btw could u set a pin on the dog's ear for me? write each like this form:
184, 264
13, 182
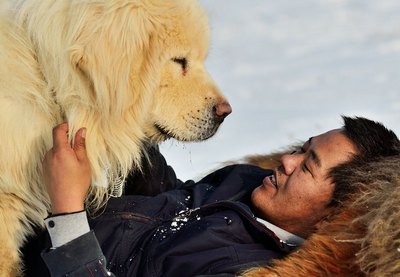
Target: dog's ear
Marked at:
111, 56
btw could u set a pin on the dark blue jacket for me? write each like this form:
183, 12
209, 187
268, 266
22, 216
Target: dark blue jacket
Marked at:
203, 228
197, 229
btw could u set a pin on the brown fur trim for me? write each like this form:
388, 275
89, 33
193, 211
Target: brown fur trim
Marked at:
268, 161
380, 247
330, 252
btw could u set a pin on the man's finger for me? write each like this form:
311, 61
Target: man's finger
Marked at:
60, 135
80, 144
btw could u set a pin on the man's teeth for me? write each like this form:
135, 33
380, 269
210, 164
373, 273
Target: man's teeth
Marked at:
273, 181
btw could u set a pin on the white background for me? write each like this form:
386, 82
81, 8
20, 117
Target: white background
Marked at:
290, 69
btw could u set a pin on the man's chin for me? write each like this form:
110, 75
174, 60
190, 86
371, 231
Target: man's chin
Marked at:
259, 197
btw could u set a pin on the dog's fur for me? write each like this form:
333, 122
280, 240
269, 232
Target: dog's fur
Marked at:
132, 72
362, 238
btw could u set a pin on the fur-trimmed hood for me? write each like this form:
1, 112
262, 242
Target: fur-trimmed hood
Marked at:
362, 238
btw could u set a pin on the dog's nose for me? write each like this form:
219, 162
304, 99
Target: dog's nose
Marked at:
222, 109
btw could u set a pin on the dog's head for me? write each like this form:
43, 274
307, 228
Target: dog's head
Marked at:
129, 71
138, 61
186, 105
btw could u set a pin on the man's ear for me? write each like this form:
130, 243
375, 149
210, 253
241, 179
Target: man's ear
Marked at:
321, 224
329, 214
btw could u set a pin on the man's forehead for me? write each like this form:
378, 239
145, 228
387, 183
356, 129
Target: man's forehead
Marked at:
332, 132
331, 147
331, 136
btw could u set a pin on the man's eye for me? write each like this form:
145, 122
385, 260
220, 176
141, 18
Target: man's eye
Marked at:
305, 169
182, 61
298, 151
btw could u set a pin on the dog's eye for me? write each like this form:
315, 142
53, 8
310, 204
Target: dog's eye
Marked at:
182, 61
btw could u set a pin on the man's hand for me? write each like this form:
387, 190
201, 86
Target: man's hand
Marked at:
66, 171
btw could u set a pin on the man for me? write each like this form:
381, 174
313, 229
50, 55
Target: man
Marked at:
205, 228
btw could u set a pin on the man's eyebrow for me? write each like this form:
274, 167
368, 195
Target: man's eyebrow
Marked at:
314, 156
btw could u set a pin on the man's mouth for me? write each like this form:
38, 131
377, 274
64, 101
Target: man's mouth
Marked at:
273, 180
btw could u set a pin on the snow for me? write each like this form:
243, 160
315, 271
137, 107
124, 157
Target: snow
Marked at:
290, 69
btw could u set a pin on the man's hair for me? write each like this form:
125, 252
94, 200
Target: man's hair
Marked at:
373, 141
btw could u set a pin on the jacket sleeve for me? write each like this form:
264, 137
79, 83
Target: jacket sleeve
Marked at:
79, 257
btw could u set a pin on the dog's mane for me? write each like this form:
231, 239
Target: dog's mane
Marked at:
93, 84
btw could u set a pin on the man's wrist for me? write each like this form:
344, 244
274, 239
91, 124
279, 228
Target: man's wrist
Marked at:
63, 210
52, 215
64, 207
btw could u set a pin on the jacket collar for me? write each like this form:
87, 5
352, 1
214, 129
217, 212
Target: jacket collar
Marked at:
285, 236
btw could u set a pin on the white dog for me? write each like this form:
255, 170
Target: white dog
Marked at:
130, 71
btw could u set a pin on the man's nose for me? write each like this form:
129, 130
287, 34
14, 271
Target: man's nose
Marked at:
290, 162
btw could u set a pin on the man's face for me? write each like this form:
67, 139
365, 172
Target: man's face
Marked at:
297, 200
